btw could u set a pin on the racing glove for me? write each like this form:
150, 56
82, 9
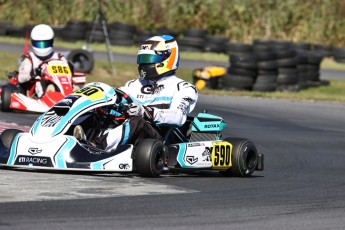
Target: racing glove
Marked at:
36, 73
135, 109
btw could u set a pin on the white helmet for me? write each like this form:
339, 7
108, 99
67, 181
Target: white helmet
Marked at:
42, 39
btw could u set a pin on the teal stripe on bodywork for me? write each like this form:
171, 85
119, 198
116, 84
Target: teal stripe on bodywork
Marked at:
99, 164
34, 129
13, 149
180, 155
126, 135
66, 147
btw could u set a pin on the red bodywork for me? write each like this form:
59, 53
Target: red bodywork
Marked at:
65, 84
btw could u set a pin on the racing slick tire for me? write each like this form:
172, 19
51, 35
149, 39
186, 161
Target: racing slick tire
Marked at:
8, 135
244, 158
149, 158
6, 98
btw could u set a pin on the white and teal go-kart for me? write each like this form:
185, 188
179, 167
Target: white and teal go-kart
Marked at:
195, 146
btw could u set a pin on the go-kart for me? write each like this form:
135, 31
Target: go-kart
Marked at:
195, 146
59, 81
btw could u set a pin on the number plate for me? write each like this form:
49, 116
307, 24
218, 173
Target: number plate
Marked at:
221, 155
92, 93
57, 69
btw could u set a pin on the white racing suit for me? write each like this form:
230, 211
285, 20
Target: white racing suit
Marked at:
27, 68
169, 100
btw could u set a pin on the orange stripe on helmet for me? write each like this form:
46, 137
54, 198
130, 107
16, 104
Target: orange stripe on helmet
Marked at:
172, 58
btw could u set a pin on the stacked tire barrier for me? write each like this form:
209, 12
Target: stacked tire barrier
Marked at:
242, 71
272, 65
339, 54
192, 40
261, 66
122, 34
74, 31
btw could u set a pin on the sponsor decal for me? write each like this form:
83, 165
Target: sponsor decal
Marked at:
34, 151
191, 159
207, 154
33, 160
124, 166
211, 126
152, 89
146, 46
142, 74
196, 144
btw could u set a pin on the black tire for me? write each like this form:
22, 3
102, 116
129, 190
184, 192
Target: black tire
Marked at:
287, 62
119, 26
82, 60
149, 158
244, 157
238, 82
6, 98
238, 47
195, 33
8, 135
193, 42
265, 87
242, 72
267, 65
266, 79
287, 79
244, 65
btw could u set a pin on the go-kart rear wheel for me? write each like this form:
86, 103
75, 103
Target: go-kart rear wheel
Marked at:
149, 158
244, 158
6, 98
8, 135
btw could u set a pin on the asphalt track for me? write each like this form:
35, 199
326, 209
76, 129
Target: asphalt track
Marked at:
302, 186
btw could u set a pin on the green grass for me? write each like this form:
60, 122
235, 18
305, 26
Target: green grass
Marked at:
102, 72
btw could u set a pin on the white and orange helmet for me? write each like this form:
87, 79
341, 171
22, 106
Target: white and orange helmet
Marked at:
158, 57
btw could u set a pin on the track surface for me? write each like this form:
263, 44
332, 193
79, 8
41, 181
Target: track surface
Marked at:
302, 186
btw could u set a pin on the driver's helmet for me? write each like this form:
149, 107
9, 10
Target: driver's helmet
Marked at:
158, 57
42, 39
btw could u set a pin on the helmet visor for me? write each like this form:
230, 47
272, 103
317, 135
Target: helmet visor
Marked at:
42, 44
150, 58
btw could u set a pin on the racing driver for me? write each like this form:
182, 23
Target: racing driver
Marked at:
42, 39
159, 97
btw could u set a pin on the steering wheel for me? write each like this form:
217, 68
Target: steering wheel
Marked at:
119, 107
124, 95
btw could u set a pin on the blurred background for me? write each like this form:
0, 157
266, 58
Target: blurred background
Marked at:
313, 21
262, 45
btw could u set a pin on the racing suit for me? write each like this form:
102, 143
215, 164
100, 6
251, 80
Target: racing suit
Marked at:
27, 70
167, 101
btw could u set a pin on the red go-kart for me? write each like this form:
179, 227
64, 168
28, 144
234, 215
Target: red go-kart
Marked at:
56, 77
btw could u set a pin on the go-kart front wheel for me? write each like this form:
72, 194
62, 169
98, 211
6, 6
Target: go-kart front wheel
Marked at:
150, 158
244, 158
8, 135
6, 98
